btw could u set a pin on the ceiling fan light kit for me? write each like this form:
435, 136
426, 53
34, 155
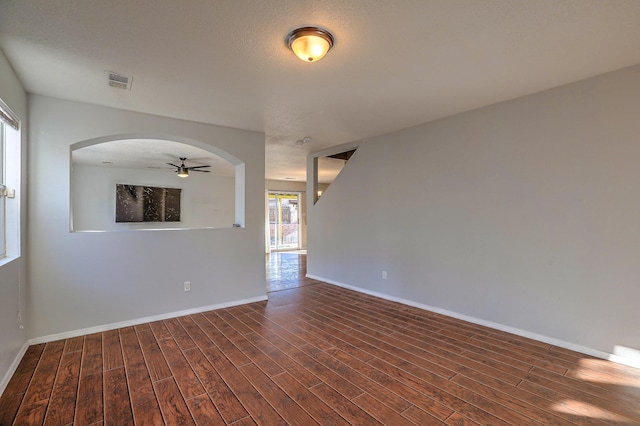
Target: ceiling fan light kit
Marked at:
310, 44
183, 171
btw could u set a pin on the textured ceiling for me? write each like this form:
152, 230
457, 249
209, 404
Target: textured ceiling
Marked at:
395, 63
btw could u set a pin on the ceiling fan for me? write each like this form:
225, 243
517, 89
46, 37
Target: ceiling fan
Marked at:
183, 171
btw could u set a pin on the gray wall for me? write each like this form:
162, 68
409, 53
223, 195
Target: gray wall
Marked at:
81, 280
524, 214
13, 274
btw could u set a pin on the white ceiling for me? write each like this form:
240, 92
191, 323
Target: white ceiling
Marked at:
395, 63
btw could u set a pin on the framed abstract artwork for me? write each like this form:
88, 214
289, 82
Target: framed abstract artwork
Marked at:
136, 203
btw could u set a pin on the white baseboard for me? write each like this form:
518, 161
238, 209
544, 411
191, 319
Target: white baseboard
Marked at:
632, 362
137, 321
13, 367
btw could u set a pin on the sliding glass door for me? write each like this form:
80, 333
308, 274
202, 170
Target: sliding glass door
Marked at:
284, 220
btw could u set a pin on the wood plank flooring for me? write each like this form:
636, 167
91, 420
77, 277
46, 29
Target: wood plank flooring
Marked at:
316, 354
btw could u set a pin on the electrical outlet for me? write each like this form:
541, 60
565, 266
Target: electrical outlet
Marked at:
384, 275
187, 286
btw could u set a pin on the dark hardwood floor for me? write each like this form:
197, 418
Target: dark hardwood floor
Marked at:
315, 354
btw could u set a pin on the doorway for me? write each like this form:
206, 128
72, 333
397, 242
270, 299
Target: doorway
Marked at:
284, 220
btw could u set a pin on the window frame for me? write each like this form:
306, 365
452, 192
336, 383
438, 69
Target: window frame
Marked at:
10, 178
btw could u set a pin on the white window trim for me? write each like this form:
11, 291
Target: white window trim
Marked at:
10, 183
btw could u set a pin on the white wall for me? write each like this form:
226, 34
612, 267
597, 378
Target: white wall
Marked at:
80, 280
207, 200
12, 274
525, 214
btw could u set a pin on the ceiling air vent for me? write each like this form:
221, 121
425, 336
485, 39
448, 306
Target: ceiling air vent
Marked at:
119, 81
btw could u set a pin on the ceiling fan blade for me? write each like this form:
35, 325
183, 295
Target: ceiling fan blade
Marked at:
202, 171
196, 167
171, 164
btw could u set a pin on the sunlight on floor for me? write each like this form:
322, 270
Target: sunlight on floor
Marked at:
571, 406
601, 371
286, 270
609, 392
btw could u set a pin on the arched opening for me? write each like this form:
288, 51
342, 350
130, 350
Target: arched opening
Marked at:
115, 176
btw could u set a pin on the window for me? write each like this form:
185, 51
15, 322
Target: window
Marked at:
9, 182
3, 191
284, 220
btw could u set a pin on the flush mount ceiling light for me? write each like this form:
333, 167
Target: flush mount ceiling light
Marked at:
310, 43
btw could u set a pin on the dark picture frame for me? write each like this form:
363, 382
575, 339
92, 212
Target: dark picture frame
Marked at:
138, 203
